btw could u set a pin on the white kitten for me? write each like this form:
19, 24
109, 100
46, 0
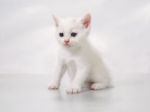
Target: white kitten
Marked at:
77, 56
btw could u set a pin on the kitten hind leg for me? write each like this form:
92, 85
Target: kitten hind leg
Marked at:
100, 81
98, 86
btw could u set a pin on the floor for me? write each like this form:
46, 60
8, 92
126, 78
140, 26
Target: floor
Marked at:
29, 93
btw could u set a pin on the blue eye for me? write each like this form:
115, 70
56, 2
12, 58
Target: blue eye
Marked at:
73, 34
61, 34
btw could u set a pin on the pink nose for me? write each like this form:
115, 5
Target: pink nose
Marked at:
66, 41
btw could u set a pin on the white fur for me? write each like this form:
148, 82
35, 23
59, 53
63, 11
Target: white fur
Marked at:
80, 59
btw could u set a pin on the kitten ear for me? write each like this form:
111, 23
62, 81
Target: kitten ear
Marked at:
56, 20
86, 20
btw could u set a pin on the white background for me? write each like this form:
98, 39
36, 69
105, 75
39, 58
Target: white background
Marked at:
28, 49
120, 31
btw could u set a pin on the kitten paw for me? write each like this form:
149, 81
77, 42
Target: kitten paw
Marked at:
97, 86
53, 86
73, 90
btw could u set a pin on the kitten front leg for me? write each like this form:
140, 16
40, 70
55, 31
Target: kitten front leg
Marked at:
56, 78
78, 81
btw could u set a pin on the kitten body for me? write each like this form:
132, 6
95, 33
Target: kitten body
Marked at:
82, 62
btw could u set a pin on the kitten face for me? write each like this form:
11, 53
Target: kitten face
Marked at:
72, 32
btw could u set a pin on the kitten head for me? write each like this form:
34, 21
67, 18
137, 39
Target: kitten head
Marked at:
72, 32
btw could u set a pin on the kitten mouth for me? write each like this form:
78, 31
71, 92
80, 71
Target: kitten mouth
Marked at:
67, 45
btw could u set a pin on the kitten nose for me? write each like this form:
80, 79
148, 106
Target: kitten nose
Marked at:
66, 41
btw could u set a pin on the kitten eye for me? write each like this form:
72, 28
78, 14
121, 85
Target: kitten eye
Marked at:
73, 34
61, 34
